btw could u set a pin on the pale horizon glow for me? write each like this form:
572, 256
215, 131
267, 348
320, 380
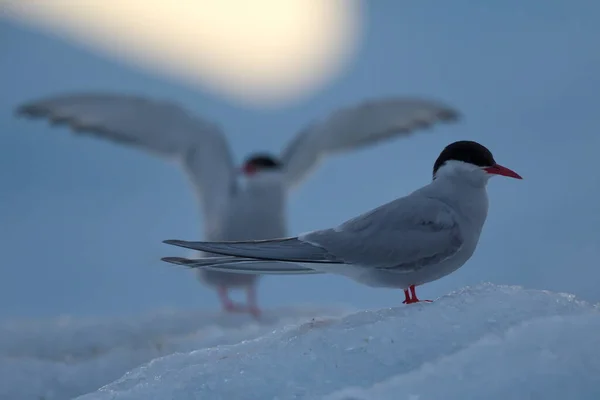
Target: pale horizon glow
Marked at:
265, 53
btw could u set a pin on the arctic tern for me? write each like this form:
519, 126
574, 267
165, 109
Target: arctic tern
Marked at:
232, 211
402, 244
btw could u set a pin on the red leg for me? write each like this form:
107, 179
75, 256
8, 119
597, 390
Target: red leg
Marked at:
412, 297
252, 303
406, 297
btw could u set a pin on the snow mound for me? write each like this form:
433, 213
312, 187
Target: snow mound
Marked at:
492, 342
65, 357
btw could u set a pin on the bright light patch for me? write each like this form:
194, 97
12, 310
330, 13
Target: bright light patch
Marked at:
265, 52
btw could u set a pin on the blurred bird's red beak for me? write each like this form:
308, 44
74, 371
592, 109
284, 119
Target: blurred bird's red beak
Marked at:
498, 169
247, 169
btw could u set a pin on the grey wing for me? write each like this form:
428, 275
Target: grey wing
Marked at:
160, 127
362, 125
405, 235
287, 249
243, 266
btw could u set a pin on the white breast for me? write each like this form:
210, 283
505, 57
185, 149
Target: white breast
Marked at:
258, 211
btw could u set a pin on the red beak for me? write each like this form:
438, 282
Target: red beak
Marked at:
498, 169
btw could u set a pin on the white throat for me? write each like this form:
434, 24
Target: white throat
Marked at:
264, 179
462, 172
462, 186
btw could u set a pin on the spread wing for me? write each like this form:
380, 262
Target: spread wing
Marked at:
359, 126
160, 127
405, 235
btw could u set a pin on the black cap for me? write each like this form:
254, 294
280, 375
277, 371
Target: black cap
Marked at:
262, 162
466, 151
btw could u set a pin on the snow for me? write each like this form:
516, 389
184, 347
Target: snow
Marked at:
66, 357
488, 341
546, 357
492, 342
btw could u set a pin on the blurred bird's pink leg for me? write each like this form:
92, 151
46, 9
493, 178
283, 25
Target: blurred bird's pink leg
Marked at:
252, 303
228, 305
411, 297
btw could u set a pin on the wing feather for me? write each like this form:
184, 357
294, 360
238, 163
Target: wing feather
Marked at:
243, 266
288, 249
161, 127
361, 125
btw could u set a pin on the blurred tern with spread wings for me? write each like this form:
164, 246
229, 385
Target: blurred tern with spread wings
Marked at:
402, 244
232, 211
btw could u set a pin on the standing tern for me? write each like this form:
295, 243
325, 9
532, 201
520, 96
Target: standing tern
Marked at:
402, 244
232, 211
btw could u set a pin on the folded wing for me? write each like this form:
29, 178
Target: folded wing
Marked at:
160, 127
362, 125
404, 235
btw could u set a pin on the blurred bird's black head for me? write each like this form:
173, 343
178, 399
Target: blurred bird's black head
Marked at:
260, 162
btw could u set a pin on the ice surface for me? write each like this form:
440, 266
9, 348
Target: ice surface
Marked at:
547, 357
486, 342
64, 358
